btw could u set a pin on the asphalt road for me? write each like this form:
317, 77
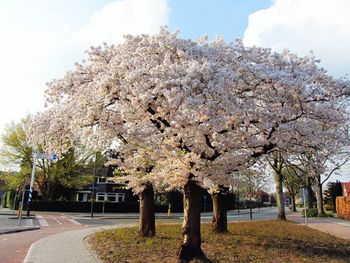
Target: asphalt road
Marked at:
113, 219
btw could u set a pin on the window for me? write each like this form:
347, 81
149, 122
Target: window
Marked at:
121, 198
104, 180
100, 197
101, 180
111, 197
82, 197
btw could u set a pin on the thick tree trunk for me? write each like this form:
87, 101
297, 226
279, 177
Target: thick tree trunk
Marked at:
309, 194
279, 196
319, 197
294, 208
147, 226
191, 232
219, 222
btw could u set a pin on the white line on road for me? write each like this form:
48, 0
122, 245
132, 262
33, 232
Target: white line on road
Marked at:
74, 222
4, 239
43, 222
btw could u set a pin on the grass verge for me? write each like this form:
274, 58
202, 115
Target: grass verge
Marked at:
264, 241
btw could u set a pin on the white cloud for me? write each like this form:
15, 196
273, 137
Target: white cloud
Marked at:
123, 17
31, 56
303, 25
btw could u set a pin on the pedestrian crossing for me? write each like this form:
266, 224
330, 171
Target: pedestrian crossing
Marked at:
55, 220
42, 221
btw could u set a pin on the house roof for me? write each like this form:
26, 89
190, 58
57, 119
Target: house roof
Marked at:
346, 187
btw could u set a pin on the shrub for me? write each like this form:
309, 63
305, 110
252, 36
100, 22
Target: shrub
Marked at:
310, 212
328, 207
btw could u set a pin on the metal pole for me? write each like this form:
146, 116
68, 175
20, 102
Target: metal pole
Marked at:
238, 201
204, 202
250, 199
304, 194
31, 186
14, 202
21, 206
103, 207
93, 189
250, 208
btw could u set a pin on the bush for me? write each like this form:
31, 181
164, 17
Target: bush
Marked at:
67, 206
310, 212
328, 207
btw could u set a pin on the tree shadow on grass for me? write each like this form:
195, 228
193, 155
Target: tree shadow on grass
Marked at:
300, 246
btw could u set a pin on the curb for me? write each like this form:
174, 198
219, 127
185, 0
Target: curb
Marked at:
2, 232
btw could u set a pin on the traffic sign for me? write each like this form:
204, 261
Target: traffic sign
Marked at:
47, 156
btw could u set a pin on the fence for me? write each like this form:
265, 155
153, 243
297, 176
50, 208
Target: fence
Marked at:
343, 207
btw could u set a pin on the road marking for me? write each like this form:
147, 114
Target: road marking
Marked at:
4, 239
74, 222
43, 222
57, 221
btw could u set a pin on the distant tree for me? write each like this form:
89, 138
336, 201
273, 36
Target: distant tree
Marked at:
72, 170
333, 190
293, 180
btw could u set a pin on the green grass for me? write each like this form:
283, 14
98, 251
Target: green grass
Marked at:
267, 241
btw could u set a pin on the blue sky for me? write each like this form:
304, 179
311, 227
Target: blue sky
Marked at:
228, 18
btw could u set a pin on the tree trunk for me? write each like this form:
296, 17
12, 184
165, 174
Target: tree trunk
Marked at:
294, 208
147, 226
309, 194
319, 197
191, 247
219, 222
279, 196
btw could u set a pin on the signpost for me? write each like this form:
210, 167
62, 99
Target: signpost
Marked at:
250, 195
305, 210
45, 156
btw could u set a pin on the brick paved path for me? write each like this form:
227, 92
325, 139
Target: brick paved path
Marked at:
67, 247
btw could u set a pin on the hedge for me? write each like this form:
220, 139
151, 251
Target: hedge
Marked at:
343, 207
67, 206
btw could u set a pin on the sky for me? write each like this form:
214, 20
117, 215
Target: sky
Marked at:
42, 39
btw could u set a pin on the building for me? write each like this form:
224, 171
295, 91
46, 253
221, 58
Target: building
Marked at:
105, 189
346, 188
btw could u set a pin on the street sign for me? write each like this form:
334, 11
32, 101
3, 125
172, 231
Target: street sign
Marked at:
47, 156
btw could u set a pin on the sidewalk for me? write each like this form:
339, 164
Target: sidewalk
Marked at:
333, 226
66, 247
9, 222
